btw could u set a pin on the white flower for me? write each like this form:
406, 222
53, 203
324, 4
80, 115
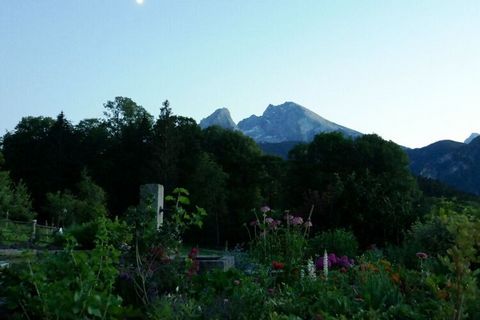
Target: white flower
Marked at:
325, 264
311, 269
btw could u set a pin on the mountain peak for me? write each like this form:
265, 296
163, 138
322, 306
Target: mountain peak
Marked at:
288, 122
220, 117
472, 137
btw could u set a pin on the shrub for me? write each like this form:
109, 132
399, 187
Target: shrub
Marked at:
340, 241
85, 234
67, 285
431, 237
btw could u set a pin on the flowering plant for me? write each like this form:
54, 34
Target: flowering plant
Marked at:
334, 261
279, 238
277, 265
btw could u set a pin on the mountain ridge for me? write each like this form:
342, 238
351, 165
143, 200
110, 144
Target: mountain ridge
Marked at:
280, 123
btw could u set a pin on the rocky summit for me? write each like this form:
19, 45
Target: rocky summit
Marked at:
286, 122
289, 122
221, 117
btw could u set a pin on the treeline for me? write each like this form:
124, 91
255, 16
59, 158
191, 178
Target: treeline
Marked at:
362, 184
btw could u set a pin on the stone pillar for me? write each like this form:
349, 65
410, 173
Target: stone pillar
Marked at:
155, 193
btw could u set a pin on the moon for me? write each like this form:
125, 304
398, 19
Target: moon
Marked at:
140, 2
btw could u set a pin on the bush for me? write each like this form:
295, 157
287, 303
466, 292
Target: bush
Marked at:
67, 285
86, 233
339, 241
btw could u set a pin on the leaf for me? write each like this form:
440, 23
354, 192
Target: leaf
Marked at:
183, 200
181, 191
94, 312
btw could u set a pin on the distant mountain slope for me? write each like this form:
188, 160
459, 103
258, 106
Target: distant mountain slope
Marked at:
454, 163
289, 122
221, 117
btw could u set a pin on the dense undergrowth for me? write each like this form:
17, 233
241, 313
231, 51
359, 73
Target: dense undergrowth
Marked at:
283, 273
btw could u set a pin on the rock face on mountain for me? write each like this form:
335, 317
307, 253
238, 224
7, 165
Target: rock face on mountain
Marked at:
289, 122
454, 163
221, 117
472, 136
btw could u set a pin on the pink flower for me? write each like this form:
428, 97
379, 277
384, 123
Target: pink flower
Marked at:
269, 220
297, 221
422, 255
265, 209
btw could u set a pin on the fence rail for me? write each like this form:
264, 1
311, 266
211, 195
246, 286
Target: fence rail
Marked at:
12, 231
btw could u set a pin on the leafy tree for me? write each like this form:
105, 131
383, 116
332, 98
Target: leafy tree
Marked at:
127, 156
25, 154
176, 148
66, 209
239, 157
363, 184
14, 198
208, 186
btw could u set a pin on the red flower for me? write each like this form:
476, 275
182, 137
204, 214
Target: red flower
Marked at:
193, 253
277, 265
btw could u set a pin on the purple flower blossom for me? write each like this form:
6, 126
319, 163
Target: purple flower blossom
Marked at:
297, 221
272, 223
265, 209
334, 261
308, 224
421, 255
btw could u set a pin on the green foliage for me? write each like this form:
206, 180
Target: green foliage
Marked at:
149, 264
14, 199
239, 157
85, 234
279, 240
339, 241
431, 237
66, 209
459, 260
180, 217
208, 185
67, 285
363, 184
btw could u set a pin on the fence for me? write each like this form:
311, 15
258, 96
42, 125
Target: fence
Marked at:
20, 232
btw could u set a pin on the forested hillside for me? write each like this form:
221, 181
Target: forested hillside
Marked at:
363, 184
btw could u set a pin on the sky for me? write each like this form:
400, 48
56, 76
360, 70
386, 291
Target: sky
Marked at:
408, 70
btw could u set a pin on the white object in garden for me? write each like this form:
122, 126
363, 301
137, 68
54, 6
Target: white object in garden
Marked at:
155, 191
325, 264
311, 269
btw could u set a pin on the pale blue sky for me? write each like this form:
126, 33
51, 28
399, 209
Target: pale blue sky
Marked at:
407, 70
